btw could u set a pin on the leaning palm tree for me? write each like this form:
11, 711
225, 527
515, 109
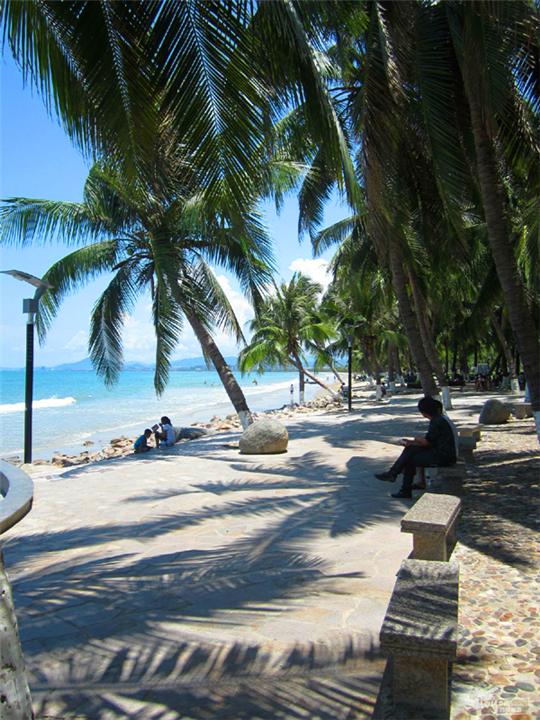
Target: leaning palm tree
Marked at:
159, 238
287, 326
217, 70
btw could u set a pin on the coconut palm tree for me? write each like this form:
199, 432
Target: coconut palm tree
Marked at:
160, 239
497, 51
218, 71
287, 326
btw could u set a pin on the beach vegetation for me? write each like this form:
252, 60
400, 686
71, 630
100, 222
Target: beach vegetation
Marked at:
158, 239
423, 116
287, 326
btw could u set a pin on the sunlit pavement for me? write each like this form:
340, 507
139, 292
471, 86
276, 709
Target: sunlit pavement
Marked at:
201, 583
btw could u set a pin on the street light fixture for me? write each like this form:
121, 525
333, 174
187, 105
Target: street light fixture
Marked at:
30, 306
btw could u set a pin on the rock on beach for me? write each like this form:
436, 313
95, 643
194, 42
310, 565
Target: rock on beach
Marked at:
265, 437
494, 412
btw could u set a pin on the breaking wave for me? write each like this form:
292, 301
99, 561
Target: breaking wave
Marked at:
37, 404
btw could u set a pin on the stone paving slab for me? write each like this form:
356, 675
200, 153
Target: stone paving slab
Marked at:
200, 583
147, 586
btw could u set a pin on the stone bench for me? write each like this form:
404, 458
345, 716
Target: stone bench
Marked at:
522, 410
474, 431
448, 479
432, 520
419, 632
468, 437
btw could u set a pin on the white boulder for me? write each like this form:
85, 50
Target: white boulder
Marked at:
264, 437
494, 412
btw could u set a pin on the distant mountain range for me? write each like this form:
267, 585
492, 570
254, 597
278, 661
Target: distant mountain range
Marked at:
196, 363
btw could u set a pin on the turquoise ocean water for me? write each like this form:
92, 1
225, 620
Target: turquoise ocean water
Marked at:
71, 407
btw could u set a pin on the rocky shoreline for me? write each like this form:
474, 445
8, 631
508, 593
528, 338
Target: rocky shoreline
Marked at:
123, 445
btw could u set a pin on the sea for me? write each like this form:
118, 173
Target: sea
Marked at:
72, 408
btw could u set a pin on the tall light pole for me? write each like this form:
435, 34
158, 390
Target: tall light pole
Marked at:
349, 345
30, 307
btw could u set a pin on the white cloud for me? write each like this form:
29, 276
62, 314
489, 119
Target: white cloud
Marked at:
79, 341
241, 305
316, 269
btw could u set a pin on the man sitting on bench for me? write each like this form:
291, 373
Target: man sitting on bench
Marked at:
437, 448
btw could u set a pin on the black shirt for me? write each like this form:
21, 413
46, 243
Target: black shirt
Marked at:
441, 439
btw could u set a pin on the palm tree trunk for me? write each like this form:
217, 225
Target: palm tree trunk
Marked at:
232, 388
301, 387
521, 318
510, 364
420, 305
295, 360
409, 321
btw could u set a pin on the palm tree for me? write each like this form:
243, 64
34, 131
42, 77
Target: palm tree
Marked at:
498, 56
217, 71
158, 238
286, 326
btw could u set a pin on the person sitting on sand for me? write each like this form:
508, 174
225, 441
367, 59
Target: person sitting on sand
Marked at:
436, 448
141, 443
164, 432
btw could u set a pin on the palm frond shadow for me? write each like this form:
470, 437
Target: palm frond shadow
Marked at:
192, 683
502, 489
121, 608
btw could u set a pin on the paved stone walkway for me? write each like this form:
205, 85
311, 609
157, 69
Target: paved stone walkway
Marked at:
497, 676
187, 584
199, 583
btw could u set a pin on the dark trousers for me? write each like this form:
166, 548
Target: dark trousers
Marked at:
411, 458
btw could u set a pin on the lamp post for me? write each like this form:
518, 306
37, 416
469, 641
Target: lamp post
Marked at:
349, 346
30, 306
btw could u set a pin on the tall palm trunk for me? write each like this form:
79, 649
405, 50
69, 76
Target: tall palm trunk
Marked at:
510, 363
232, 388
295, 359
409, 320
301, 387
426, 334
521, 318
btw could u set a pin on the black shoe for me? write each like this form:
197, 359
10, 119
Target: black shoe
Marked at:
388, 476
402, 494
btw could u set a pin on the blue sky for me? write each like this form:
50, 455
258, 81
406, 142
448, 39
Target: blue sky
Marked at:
37, 160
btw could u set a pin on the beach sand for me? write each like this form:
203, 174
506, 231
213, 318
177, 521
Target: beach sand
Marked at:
201, 583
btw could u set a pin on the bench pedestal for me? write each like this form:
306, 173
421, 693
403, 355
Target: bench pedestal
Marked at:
421, 681
419, 632
431, 520
430, 546
448, 480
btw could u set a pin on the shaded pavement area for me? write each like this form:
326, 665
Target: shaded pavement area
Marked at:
199, 583
497, 675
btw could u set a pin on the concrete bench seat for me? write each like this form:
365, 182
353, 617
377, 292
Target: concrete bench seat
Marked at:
432, 520
448, 479
474, 431
419, 632
522, 410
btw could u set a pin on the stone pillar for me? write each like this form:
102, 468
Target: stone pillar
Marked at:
430, 546
421, 681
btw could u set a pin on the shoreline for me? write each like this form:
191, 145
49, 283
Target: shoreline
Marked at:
122, 445
89, 424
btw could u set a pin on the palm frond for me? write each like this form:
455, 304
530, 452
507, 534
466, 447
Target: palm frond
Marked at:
168, 325
23, 220
105, 343
71, 272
